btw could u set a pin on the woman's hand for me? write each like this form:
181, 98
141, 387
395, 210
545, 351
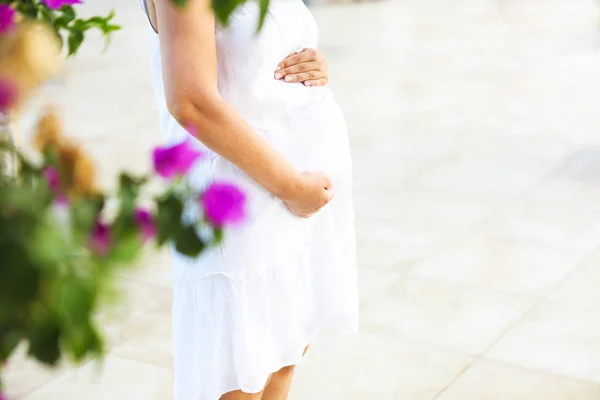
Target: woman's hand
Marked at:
308, 67
313, 191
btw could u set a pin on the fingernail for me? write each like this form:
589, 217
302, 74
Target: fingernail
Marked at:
289, 78
278, 68
307, 83
278, 75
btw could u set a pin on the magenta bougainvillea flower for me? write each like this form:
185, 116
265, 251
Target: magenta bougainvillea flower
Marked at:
8, 94
174, 161
100, 239
53, 180
224, 204
7, 18
146, 224
57, 4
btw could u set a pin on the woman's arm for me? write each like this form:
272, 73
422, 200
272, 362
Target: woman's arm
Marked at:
187, 39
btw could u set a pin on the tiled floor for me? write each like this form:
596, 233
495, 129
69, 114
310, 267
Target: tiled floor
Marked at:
476, 138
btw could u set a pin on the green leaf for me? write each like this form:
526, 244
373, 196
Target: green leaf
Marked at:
129, 189
218, 236
9, 340
29, 10
75, 40
188, 243
264, 8
82, 341
84, 213
224, 8
19, 277
44, 341
74, 299
68, 16
168, 217
127, 248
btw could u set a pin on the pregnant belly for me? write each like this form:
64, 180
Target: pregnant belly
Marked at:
303, 123
309, 131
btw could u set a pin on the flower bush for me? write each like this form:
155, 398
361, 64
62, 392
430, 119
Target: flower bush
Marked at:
62, 242
61, 246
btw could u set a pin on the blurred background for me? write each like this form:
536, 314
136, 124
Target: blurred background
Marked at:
475, 132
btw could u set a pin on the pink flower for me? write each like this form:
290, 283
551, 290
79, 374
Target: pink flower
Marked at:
7, 18
8, 92
2, 397
176, 160
53, 180
146, 224
57, 4
224, 204
100, 239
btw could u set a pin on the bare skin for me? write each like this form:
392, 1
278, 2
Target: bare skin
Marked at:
188, 35
277, 387
308, 67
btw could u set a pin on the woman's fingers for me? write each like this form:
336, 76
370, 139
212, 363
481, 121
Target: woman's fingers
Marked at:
306, 55
304, 76
293, 71
316, 82
307, 66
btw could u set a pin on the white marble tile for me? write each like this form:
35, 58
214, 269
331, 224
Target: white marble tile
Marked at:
580, 289
140, 307
373, 280
374, 366
491, 177
154, 345
576, 185
117, 378
22, 375
561, 227
425, 209
154, 268
493, 381
462, 318
383, 243
556, 337
518, 266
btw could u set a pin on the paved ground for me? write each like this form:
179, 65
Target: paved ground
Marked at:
475, 132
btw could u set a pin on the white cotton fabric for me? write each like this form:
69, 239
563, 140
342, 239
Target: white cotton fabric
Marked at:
249, 307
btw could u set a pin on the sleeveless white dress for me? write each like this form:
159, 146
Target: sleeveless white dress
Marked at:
249, 307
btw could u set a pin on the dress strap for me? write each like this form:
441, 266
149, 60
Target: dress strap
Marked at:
145, 7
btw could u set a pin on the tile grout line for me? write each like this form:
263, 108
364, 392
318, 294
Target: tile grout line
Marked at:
541, 371
456, 378
536, 301
526, 314
54, 379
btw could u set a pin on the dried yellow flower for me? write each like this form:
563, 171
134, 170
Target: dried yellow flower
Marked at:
84, 177
48, 133
29, 55
77, 169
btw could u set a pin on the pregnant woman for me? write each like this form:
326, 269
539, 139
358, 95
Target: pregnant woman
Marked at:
245, 312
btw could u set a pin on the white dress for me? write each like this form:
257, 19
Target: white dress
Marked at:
249, 307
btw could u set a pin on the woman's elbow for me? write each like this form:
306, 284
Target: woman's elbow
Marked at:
187, 110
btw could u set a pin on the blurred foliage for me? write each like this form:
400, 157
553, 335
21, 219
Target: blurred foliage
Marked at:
65, 21
62, 248
57, 265
224, 8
